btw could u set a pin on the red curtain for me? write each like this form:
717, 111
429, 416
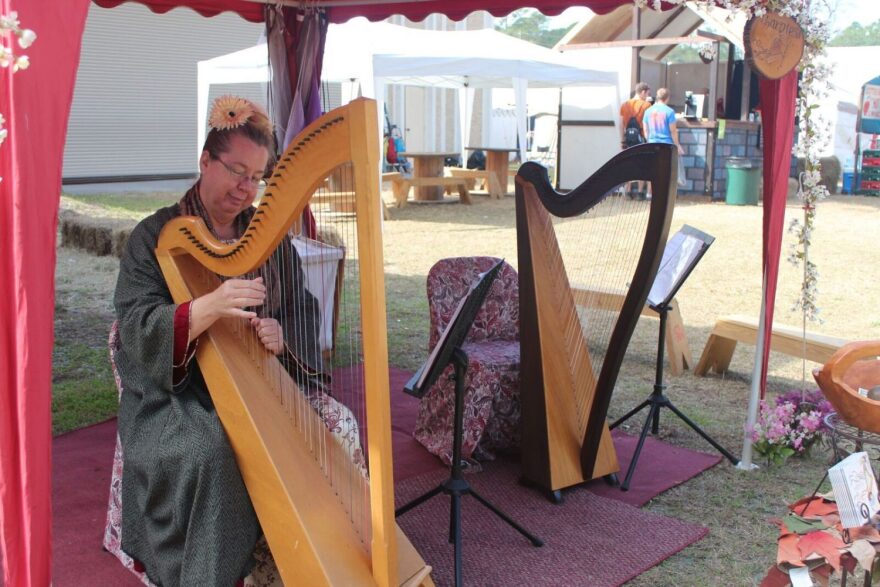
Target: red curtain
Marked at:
777, 115
36, 103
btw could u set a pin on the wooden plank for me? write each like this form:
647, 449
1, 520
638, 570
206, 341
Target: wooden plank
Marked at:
789, 340
678, 351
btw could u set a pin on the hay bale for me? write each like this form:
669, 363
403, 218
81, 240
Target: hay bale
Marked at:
98, 236
830, 172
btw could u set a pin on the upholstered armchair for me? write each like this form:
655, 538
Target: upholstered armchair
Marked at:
854, 366
491, 402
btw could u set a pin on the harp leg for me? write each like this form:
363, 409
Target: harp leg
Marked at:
555, 496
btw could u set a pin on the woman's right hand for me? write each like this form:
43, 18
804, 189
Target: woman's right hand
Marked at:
233, 296
229, 300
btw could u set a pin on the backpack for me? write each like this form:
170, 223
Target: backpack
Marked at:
390, 150
632, 134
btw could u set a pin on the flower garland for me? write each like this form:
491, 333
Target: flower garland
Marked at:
9, 24
813, 16
707, 52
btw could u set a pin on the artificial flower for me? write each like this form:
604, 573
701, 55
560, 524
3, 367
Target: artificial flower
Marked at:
9, 22
26, 38
21, 63
229, 112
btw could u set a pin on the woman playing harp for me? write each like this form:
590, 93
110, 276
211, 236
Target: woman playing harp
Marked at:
186, 515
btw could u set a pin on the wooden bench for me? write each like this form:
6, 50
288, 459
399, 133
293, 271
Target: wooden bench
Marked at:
785, 339
489, 181
678, 351
401, 185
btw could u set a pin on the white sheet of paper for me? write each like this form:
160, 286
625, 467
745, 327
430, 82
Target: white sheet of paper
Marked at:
678, 255
800, 577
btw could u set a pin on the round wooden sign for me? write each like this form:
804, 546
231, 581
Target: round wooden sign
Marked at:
774, 44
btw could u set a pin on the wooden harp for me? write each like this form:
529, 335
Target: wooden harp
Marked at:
326, 521
587, 260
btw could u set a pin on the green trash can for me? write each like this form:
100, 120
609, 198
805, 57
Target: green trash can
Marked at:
742, 182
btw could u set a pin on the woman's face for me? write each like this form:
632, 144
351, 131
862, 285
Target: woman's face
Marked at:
229, 182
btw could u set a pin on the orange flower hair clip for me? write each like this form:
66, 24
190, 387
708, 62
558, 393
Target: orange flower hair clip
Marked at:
229, 112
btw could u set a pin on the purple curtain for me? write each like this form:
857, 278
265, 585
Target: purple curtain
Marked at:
296, 49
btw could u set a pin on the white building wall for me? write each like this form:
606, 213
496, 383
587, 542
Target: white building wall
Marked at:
134, 105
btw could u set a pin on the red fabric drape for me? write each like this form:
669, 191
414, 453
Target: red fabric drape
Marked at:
454, 9
777, 114
458, 9
36, 103
252, 11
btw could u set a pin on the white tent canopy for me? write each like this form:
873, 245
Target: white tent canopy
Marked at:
376, 54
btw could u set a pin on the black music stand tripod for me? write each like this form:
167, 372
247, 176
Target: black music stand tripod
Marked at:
448, 350
680, 256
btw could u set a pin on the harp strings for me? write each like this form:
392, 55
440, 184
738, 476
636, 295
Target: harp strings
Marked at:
318, 378
598, 254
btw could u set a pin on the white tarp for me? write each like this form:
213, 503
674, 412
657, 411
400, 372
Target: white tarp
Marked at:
376, 54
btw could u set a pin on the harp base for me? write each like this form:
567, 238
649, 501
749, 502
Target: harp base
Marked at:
655, 402
456, 486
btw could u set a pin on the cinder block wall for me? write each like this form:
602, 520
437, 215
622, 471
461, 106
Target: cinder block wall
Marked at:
744, 142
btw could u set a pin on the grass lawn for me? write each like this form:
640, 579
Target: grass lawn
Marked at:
735, 505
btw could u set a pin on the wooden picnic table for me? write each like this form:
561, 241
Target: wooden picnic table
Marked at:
428, 164
497, 165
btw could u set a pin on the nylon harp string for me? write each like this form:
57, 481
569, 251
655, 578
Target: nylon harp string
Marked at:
298, 425
602, 252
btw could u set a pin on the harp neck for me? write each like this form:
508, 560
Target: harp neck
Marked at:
322, 146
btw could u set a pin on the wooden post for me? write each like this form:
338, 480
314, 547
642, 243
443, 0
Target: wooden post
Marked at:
746, 91
636, 70
713, 81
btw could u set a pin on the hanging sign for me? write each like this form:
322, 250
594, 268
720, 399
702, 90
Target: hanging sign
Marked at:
774, 44
869, 113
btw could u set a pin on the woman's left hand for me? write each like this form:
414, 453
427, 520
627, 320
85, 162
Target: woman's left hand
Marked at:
270, 333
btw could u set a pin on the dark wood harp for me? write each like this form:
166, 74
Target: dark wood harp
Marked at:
325, 522
573, 341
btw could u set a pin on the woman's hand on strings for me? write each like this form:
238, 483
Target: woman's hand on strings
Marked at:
229, 300
234, 295
270, 334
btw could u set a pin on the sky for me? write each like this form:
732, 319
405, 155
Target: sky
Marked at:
844, 13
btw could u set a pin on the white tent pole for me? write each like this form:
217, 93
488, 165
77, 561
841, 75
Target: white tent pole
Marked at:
378, 91
463, 122
745, 461
201, 109
520, 87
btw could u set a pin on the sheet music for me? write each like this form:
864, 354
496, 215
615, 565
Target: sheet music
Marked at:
682, 252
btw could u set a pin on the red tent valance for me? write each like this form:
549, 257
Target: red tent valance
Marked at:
454, 9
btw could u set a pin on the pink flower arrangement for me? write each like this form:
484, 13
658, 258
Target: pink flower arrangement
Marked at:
790, 424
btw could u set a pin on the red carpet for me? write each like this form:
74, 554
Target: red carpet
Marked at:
588, 541
81, 477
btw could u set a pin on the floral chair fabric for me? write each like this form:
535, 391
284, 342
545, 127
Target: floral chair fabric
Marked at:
342, 427
491, 403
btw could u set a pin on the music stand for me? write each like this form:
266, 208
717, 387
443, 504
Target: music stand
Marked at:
682, 253
448, 350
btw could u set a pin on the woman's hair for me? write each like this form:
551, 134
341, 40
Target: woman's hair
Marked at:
243, 118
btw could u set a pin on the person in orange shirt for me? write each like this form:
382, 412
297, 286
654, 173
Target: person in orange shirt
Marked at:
632, 130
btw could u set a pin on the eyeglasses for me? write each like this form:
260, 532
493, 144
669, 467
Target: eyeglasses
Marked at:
240, 176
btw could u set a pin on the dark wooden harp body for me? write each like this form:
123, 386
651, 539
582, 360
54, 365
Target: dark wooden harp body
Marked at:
564, 395
316, 536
